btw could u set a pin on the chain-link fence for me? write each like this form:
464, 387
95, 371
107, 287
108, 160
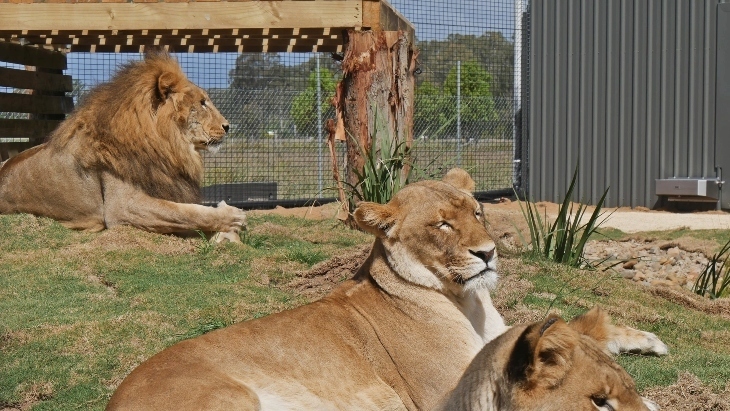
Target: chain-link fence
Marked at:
277, 102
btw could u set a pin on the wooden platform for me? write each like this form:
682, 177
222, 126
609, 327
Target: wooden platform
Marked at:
199, 26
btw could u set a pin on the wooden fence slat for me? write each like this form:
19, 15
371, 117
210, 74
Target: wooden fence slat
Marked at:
33, 129
35, 80
32, 56
24, 103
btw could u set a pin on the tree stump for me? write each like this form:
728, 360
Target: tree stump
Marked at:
374, 101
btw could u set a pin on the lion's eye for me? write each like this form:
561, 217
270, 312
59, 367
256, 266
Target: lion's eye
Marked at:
203, 102
443, 225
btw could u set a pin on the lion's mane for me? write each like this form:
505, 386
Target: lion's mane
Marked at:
123, 127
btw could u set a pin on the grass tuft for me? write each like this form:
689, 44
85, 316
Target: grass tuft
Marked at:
564, 240
714, 279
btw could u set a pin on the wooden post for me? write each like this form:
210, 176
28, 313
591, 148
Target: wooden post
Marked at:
374, 100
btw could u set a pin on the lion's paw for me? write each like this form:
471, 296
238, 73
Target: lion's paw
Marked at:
651, 405
637, 342
234, 219
222, 237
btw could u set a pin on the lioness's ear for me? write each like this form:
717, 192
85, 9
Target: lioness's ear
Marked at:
460, 179
594, 323
167, 84
552, 357
374, 218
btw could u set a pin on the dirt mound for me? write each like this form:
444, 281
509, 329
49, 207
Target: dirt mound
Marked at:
323, 277
120, 238
689, 394
720, 307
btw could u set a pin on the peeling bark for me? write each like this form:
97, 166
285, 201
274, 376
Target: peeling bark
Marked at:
374, 100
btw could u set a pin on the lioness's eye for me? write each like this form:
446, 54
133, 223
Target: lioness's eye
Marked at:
202, 102
601, 402
443, 225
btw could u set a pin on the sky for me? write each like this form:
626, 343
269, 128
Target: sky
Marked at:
434, 20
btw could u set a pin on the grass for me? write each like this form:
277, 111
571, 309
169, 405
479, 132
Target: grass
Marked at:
78, 311
564, 240
296, 165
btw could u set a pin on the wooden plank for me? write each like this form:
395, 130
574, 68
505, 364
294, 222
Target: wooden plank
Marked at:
238, 32
35, 80
392, 20
124, 39
370, 14
28, 55
202, 15
33, 129
253, 47
24, 103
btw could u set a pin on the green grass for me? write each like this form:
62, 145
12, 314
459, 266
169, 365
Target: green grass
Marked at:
296, 164
78, 311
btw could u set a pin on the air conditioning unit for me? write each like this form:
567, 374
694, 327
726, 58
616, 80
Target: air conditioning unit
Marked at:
689, 189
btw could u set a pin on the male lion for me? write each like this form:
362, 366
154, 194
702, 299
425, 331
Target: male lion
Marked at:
127, 155
551, 366
397, 336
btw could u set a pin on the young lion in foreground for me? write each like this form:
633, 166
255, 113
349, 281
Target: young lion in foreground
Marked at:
127, 155
397, 336
551, 366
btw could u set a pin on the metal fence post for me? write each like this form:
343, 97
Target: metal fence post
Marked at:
458, 113
319, 130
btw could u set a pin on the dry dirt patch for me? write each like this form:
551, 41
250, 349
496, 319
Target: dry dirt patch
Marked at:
689, 394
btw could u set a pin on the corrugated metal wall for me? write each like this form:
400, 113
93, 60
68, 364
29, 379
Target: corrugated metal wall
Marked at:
627, 87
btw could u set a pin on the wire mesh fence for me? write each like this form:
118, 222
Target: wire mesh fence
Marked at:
277, 103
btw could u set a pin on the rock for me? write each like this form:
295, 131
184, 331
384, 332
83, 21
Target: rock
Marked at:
630, 264
629, 275
647, 262
639, 276
661, 283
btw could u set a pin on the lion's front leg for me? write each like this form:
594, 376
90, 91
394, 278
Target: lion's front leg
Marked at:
126, 204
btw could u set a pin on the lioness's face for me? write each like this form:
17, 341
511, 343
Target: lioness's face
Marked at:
205, 124
592, 382
434, 235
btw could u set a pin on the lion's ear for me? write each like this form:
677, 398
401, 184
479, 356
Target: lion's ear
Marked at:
594, 323
374, 218
553, 356
460, 179
168, 83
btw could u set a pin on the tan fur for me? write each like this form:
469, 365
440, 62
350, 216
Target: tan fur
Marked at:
549, 366
127, 155
397, 336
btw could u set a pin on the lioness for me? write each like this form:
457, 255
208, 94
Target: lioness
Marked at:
551, 366
127, 155
397, 336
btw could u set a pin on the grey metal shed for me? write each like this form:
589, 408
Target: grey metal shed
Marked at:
636, 91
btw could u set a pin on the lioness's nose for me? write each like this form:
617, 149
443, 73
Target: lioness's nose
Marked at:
484, 255
226, 127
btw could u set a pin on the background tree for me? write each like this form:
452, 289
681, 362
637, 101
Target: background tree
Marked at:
304, 106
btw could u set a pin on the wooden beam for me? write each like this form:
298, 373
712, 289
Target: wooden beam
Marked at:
381, 15
33, 129
34, 80
27, 55
24, 103
204, 15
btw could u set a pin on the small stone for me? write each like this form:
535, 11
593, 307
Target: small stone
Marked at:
629, 275
639, 276
661, 283
630, 264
